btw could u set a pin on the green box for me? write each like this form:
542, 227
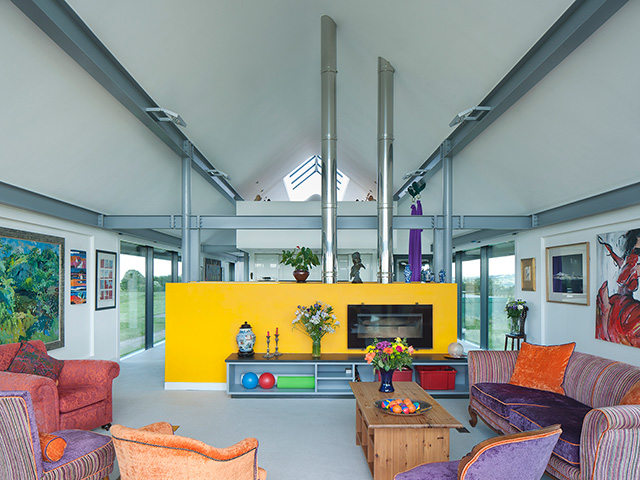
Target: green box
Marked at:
287, 381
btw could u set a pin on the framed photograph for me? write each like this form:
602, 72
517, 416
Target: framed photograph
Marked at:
568, 274
106, 280
31, 287
528, 274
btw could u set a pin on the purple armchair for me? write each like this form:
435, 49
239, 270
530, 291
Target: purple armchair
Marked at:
87, 455
521, 455
80, 398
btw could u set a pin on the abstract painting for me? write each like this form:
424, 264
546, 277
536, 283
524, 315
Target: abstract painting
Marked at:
31, 288
617, 306
78, 283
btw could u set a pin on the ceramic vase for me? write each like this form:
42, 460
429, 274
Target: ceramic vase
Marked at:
246, 339
386, 377
300, 275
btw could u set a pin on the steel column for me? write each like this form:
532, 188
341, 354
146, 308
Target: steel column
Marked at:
447, 210
385, 171
328, 69
148, 298
186, 215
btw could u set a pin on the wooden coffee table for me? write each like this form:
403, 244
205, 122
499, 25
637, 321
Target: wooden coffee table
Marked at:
394, 443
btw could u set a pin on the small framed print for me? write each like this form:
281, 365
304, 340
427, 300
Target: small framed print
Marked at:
528, 274
568, 274
106, 280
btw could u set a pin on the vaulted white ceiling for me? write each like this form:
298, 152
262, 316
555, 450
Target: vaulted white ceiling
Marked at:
245, 76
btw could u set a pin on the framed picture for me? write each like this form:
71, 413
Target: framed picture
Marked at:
78, 284
618, 299
106, 280
568, 274
31, 288
528, 274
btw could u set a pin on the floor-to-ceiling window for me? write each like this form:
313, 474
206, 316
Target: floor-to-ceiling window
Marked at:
132, 298
486, 280
470, 296
144, 273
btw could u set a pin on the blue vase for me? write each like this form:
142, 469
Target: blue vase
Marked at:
407, 274
386, 386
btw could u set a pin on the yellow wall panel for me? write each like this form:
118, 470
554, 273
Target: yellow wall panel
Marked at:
202, 319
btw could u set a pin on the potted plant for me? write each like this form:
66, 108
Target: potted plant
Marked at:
386, 357
301, 259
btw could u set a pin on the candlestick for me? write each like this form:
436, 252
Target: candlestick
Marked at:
277, 353
268, 355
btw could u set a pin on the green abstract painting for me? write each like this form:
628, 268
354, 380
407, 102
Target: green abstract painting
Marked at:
31, 288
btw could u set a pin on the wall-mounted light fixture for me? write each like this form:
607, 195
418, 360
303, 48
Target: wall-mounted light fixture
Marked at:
163, 115
218, 173
466, 115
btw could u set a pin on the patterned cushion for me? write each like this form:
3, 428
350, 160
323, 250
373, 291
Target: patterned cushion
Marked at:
570, 418
73, 398
88, 456
31, 360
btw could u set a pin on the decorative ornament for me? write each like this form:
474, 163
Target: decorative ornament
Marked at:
246, 339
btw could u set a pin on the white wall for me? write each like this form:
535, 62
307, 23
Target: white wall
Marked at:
554, 323
88, 333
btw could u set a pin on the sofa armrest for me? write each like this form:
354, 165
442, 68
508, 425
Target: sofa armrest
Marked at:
610, 443
491, 366
88, 372
44, 396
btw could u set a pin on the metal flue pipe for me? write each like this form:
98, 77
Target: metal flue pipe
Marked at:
328, 69
385, 171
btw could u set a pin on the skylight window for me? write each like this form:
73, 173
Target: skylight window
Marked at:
305, 181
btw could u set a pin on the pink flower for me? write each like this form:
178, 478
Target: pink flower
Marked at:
399, 348
410, 349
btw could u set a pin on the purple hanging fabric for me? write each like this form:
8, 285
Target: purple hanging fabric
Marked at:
415, 246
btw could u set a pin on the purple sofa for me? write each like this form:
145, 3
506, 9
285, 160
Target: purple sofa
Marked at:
600, 439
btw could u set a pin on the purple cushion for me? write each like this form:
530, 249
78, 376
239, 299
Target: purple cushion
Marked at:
501, 397
86, 446
31, 360
570, 418
432, 471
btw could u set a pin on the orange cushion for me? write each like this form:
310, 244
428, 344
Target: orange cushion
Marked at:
632, 397
542, 367
52, 447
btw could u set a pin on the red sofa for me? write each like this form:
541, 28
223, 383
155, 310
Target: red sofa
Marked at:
80, 398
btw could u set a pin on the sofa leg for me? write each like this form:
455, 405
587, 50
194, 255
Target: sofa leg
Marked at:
106, 426
473, 420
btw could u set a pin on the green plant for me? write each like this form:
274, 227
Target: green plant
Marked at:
515, 308
302, 258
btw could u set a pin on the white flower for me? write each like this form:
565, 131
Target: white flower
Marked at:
520, 307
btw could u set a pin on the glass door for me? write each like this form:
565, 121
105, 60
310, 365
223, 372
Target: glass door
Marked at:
132, 300
470, 296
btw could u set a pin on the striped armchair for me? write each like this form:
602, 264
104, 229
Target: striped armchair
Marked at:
87, 456
606, 435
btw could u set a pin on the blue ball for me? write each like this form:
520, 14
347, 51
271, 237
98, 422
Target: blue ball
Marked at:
249, 380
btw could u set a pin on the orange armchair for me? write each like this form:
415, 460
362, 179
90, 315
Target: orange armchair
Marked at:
155, 452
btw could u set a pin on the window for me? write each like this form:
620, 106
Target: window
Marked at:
486, 281
305, 181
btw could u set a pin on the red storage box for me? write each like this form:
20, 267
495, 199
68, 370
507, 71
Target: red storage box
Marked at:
401, 376
436, 377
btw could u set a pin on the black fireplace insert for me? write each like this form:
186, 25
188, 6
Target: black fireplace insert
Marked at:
386, 322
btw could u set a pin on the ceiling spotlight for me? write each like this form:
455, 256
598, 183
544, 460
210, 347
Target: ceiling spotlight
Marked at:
164, 115
218, 173
466, 115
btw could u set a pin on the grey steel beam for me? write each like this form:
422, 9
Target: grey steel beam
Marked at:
34, 202
623, 197
153, 236
63, 25
479, 236
579, 21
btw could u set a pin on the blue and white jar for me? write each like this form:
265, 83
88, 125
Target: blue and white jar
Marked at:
246, 339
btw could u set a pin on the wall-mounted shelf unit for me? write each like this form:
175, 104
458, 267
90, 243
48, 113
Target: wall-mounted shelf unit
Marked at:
332, 373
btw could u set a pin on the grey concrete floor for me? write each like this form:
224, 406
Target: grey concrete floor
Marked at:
300, 438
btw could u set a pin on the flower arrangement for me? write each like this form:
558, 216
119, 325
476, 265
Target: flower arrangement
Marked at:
316, 321
515, 308
384, 355
301, 258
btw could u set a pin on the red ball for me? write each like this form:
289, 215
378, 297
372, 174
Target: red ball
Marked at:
267, 380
